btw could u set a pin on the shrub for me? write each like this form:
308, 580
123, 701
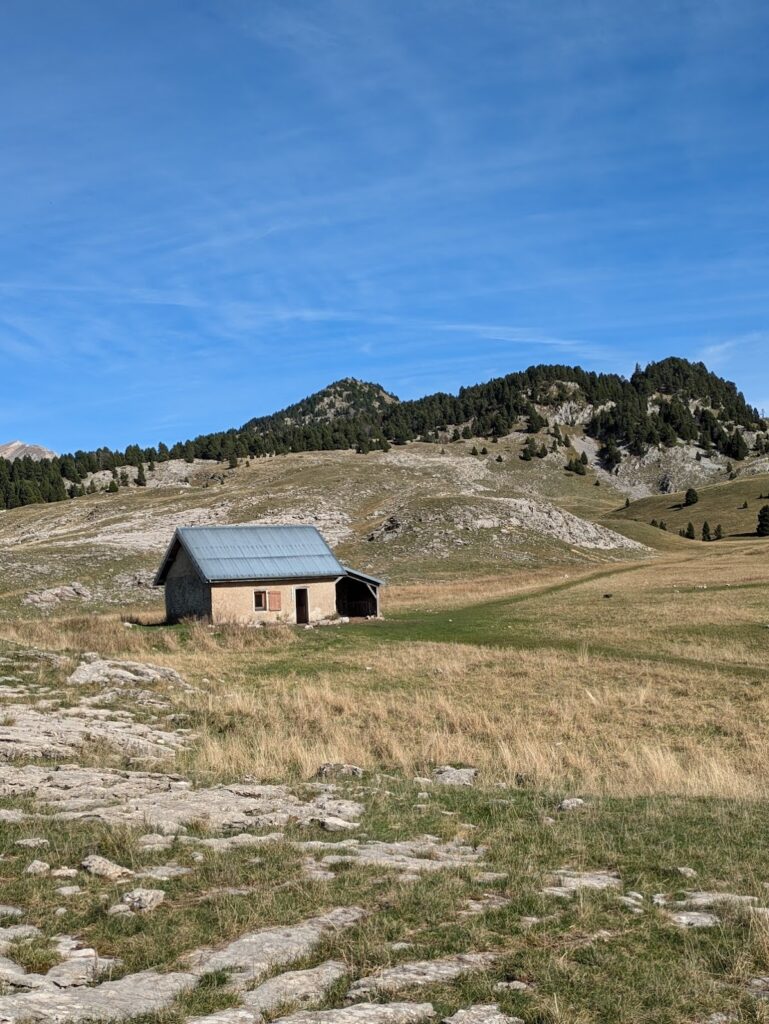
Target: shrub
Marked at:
691, 497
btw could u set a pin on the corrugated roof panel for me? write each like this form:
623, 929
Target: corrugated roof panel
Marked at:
356, 575
224, 553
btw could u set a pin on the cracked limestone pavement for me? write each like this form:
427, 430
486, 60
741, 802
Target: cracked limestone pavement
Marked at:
248, 959
167, 802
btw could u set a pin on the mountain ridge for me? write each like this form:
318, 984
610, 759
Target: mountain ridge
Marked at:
667, 404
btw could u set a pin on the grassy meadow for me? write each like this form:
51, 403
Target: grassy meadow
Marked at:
631, 679
635, 682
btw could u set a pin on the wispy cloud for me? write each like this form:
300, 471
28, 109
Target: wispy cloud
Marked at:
426, 193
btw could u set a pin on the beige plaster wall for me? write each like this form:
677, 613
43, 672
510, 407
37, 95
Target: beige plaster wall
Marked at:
234, 602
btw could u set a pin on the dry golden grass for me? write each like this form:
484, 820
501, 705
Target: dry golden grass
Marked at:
602, 725
196, 649
653, 691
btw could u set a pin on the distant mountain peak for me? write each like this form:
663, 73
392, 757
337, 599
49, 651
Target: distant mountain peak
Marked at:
343, 399
21, 450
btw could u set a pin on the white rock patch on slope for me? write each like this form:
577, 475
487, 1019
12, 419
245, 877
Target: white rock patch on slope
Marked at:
543, 518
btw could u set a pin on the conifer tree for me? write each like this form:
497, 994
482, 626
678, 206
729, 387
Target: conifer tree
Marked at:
689, 532
691, 497
763, 522
719, 532
706, 531
141, 479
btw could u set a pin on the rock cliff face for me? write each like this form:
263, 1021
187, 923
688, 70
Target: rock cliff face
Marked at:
20, 450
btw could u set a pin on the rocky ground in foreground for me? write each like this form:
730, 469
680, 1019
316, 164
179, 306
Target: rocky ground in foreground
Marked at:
133, 889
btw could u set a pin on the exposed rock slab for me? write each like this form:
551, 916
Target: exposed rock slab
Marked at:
59, 997
233, 1015
419, 973
569, 882
693, 919
481, 904
482, 1014
14, 932
365, 1013
299, 988
96, 671
708, 900
60, 734
145, 992
252, 956
411, 857
166, 802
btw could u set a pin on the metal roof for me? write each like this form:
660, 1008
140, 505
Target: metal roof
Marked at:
224, 553
356, 575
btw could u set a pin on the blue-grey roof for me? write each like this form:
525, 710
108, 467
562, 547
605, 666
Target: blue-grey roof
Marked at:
357, 575
226, 553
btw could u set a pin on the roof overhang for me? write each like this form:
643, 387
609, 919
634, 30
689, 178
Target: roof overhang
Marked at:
362, 576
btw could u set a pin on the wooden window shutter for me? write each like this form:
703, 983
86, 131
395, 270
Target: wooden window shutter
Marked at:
275, 599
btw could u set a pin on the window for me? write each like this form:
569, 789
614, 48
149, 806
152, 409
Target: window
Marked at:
260, 600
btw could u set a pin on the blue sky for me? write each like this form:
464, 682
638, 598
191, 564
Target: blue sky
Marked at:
211, 208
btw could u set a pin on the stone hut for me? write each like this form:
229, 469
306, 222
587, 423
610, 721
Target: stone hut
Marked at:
257, 574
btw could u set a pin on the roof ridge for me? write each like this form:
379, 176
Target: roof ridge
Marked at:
239, 526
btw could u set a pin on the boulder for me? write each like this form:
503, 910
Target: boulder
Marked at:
103, 868
141, 901
447, 775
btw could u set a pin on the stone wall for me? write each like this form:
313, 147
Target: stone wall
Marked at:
187, 595
234, 602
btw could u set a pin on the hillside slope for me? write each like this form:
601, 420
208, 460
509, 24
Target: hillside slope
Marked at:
649, 430
412, 513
